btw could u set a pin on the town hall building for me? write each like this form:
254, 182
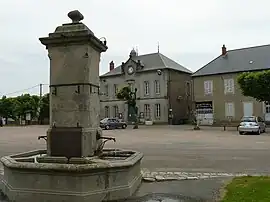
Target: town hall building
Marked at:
163, 89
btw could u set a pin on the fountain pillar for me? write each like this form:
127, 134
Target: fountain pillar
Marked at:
74, 54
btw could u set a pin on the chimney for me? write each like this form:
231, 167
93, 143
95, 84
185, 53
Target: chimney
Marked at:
111, 65
223, 50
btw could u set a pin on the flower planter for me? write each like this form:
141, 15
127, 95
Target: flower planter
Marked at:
148, 123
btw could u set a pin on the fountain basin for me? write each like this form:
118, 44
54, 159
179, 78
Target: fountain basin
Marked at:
34, 176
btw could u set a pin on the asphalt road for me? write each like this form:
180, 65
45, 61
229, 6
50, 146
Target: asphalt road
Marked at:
168, 148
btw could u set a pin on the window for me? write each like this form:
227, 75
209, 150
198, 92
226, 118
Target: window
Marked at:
228, 86
131, 85
229, 109
157, 87
106, 90
116, 111
147, 111
157, 112
208, 87
188, 88
115, 89
107, 112
146, 87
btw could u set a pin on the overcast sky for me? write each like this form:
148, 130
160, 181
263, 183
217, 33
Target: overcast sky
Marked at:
189, 32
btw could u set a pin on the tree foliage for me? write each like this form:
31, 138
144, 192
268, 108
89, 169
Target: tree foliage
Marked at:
255, 84
18, 107
45, 106
8, 107
126, 94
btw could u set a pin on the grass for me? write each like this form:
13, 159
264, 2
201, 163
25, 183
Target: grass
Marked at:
248, 189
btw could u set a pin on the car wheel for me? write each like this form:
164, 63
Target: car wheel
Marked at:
241, 133
107, 127
124, 126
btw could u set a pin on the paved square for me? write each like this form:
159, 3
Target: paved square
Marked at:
168, 148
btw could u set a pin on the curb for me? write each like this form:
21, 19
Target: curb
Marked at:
177, 176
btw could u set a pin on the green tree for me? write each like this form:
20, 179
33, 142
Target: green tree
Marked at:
45, 107
255, 84
130, 97
8, 108
27, 104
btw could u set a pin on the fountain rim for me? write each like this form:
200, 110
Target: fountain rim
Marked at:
11, 163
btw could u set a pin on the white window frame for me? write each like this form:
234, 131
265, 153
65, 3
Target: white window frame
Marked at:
157, 111
228, 86
146, 87
229, 109
208, 87
157, 86
147, 111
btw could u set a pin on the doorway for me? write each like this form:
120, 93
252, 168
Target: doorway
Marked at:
248, 108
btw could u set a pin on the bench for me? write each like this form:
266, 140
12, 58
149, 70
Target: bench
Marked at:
225, 124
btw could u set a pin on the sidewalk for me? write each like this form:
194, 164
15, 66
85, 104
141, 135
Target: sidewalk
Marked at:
205, 190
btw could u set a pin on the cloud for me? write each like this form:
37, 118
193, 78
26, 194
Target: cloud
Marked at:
190, 32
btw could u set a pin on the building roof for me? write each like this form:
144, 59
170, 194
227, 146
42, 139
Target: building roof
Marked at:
152, 61
238, 60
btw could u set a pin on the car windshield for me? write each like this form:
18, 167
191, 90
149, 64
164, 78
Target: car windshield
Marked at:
248, 119
104, 120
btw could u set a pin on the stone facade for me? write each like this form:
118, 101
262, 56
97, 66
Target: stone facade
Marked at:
217, 94
219, 98
173, 93
74, 54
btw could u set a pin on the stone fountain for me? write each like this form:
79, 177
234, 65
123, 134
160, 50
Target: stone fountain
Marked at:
74, 167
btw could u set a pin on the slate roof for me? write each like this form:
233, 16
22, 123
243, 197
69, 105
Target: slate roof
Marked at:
152, 61
238, 60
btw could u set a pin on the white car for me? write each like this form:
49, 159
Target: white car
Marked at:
251, 124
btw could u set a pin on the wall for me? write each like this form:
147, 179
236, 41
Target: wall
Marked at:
180, 101
138, 80
81, 107
219, 98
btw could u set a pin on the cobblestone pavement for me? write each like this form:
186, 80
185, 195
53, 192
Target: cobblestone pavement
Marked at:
170, 176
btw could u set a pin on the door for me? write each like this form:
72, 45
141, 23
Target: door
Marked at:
131, 114
248, 108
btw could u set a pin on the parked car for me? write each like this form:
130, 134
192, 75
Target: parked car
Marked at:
251, 124
112, 123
